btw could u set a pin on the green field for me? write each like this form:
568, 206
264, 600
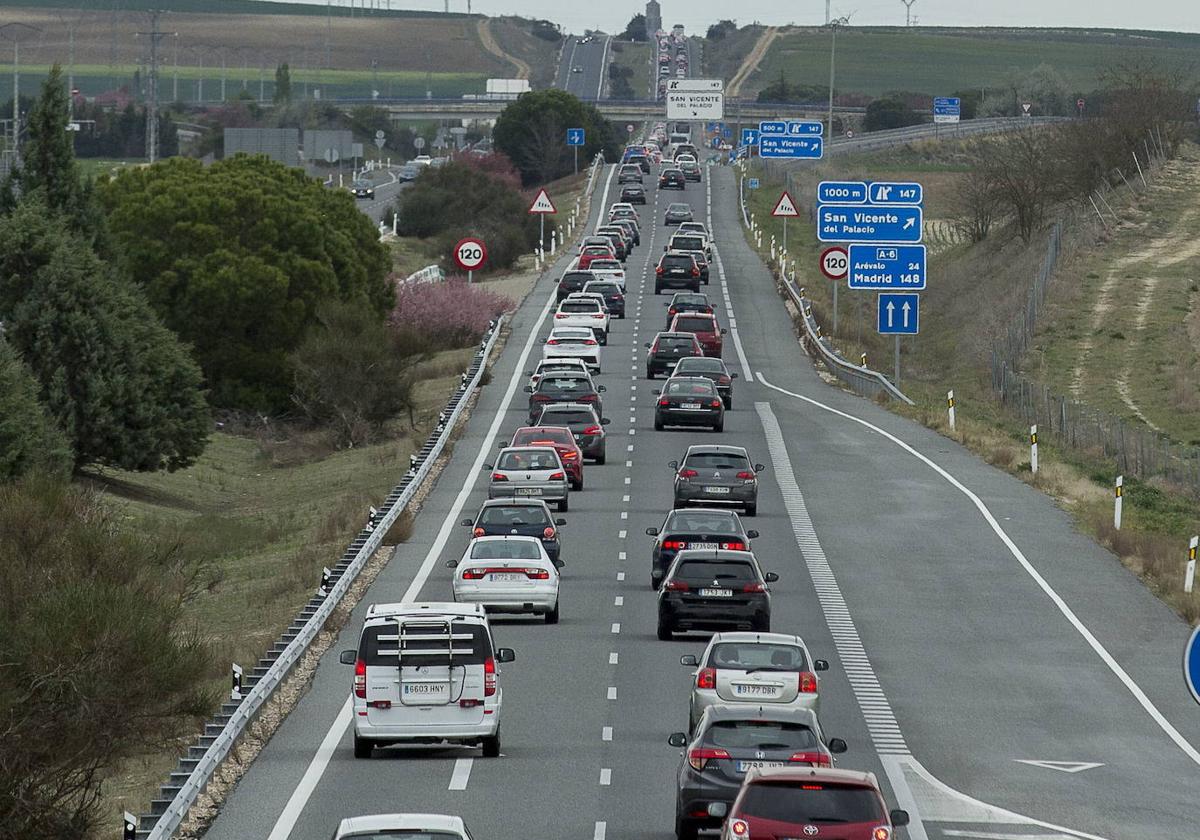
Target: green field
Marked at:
635, 56
222, 7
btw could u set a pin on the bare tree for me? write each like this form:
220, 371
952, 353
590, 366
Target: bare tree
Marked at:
975, 203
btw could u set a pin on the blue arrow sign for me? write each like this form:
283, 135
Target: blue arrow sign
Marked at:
574, 136
841, 192
887, 267
726, 133
1191, 664
839, 223
893, 193
772, 127
899, 314
773, 146
797, 128
749, 136
752, 183
947, 106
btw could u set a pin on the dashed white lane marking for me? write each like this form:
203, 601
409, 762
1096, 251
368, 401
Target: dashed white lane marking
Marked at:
624, 514
622, 534
606, 733
619, 601
616, 627
605, 776
620, 555
628, 479
613, 658
620, 576
601, 830
461, 774
612, 692
629, 464
625, 498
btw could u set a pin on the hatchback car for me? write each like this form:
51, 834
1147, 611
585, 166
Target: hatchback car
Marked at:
620, 246
689, 401
585, 313
562, 439
642, 161
690, 169
556, 366
667, 349
769, 669
721, 475
698, 528
614, 295
595, 252
694, 244
518, 517
573, 343
705, 327
585, 424
572, 281
633, 193
677, 213
712, 369
693, 227
525, 471
608, 270
686, 302
564, 388
629, 173
714, 590
631, 229
510, 574
416, 826
672, 179
677, 270
731, 742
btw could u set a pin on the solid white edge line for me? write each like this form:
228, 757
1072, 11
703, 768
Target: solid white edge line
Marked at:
462, 774
308, 782
1122, 675
747, 371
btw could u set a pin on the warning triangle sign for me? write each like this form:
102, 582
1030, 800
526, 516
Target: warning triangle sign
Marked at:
542, 204
785, 206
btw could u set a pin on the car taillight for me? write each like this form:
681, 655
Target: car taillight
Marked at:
739, 828
808, 682
688, 473
706, 678
591, 430
881, 833
702, 755
658, 270
676, 586
540, 398
489, 677
560, 314
557, 476
590, 342
478, 532
816, 759
754, 587
746, 475
499, 477
664, 402
598, 315
723, 380
537, 574
715, 404
360, 678
568, 456
552, 341
474, 574
676, 545
654, 347
588, 398
695, 272
672, 312
733, 545
548, 534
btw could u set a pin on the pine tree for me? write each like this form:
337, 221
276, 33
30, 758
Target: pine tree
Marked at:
283, 85
48, 161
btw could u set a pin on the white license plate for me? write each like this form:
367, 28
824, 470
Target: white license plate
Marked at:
743, 766
717, 490
432, 690
691, 405
716, 593
752, 690
703, 545
506, 577
529, 491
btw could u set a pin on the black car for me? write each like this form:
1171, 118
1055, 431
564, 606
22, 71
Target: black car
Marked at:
633, 193
714, 590
676, 270
519, 517
677, 213
712, 369
585, 423
614, 298
687, 302
728, 742
561, 387
616, 241
689, 401
613, 229
694, 244
697, 528
667, 349
672, 179
571, 282
363, 189
642, 161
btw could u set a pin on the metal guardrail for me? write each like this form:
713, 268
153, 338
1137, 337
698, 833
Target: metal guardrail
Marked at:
428, 274
926, 131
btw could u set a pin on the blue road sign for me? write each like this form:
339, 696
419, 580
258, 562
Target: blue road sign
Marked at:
727, 133
772, 146
713, 126
893, 193
798, 128
1191, 664
752, 183
841, 223
947, 106
841, 192
715, 143
887, 267
574, 136
772, 127
899, 314
749, 136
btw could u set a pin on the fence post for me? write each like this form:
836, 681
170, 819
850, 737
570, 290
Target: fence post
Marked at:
1139, 169
1118, 501
949, 404
1189, 577
1033, 465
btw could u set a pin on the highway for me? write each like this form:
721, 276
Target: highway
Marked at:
592, 58
969, 627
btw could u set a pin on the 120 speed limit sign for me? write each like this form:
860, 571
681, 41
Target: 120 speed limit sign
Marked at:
470, 254
835, 263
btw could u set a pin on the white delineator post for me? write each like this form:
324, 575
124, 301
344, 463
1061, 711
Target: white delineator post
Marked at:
1189, 578
1033, 448
1118, 501
553, 241
950, 408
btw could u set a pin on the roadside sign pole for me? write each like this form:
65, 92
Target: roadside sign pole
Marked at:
835, 309
542, 231
896, 378
785, 234
576, 150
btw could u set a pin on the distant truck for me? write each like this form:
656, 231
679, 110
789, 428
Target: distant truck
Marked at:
506, 88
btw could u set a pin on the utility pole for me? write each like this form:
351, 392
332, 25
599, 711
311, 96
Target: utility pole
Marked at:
175, 70
328, 33
827, 2
833, 28
908, 4
152, 87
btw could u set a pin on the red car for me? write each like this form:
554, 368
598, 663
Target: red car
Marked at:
595, 252
809, 802
561, 438
706, 329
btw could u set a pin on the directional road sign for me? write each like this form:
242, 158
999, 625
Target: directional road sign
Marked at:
796, 128
575, 136
946, 109
542, 204
772, 127
1191, 664
834, 262
809, 147
899, 314
840, 223
696, 85
785, 206
749, 136
841, 192
892, 192
887, 267
695, 105
470, 254
752, 183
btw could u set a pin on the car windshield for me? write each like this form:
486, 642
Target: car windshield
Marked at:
607, 264
505, 550
528, 459
514, 515
694, 324
405, 834
722, 571
757, 656
693, 388
760, 735
717, 461
604, 288
810, 802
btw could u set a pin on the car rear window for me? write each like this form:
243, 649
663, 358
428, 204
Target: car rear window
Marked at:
576, 279
717, 461
542, 436
703, 522
811, 802
729, 571
673, 342
555, 384
698, 387
679, 208
528, 459
504, 550
576, 334
631, 167
760, 735
565, 417
579, 306
678, 261
601, 264
605, 288
514, 515
378, 643
403, 834
687, 243
694, 324
758, 655
701, 364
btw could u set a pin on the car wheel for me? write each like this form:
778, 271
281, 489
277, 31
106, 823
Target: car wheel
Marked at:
564, 504
658, 424
665, 635
602, 457
604, 339
491, 746
552, 616
752, 510
577, 485
649, 373
657, 289
719, 426
362, 747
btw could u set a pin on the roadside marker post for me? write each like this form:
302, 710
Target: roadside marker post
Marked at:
1118, 501
950, 408
1189, 578
1033, 465
863, 359
235, 687
129, 830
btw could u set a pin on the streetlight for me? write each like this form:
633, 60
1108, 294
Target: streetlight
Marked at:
11, 31
834, 25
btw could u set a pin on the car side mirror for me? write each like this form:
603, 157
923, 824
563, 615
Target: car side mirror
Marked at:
717, 810
528, 389
600, 389
771, 577
451, 563
673, 464
898, 816
489, 466
505, 654
647, 345
466, 523
501, 444
529, 373
690, 660
667, 303
752, 534
604, 421
560, 522
820, 665
733, 375
677, 739
666, 247
348, 657
837, 746
658, 392
759, 468
652, 531
724, 331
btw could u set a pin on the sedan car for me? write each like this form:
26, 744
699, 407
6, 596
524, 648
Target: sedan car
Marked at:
687, 302
556, 366
705, 327
430, 826
690, 169
695, 528
711, 369
720, 475
535, 471
675, 270
633, 193
518, 517
562, 439
573, 343
585, 424
614, 295
507, 574
728, 744
564, 388
667, 349
607, 270
714, 590
689, 401
363, 189
672, 179
630, 173
595, 252
764, 669
677, 213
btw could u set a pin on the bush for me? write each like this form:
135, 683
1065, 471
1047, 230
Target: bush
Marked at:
29, 440
890, 113
532, 132
450, 314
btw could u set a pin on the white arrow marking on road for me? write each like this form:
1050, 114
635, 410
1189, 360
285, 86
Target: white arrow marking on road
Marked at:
905, 308
1064, 766
908, 223
891, 307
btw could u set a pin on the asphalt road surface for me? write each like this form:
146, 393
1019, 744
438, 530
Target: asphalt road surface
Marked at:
970, 628
592, 60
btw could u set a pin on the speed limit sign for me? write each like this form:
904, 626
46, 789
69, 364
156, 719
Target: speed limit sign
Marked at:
470, 254
835, 263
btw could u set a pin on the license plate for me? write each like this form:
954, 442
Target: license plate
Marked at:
691, 405
752, 690
717, 490
703, 545
506, 577
529, 491
716, 593
426, 690
743, 766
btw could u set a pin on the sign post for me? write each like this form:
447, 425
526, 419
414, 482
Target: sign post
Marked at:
695, 99
898, 314
469, 255
785, 208
834, 265
541, 206
1191, 664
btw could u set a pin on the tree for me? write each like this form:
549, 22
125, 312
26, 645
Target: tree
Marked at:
889, 113
29, 440
721, 29
116, 381
532, 131
1021, 168
283, 85
237, 257
635, 30
618, 78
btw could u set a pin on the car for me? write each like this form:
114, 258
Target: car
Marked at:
573, 343
562, 439
520, 517
596, 296
627, 214
667, 348
705, 327
629, 173
565, 365
621, 245
712, 369
509, 574
692, 243
564, 388
675, 270
672, 179
631, 229
686, 302
576, 69
695, 528
585, 424
689, 401
693, 227
595, 252
717, 474
633, 193
523, 471
422, 160
608, 270
363, 189
707, 589
433, 692
408, 172
731, 742
687, 148
677, 213
787, 801
622, 206
641, 160
684, 157
428, 826
573, 281
574, 311
614, 296
761, 669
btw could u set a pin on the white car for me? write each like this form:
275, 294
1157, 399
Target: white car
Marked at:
763, 669
608, 270
566, 365
507, 574
573, 343
621, 205
583, 312
416, 826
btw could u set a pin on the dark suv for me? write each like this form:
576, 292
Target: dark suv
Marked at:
709, 589
676, 270
614, 298
584, 422
687, 302
571, 282
672, 179
667, 349
695, 528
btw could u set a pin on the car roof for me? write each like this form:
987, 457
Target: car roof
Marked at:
813, 774
750, 637
386, 822
745, 711
510, 501
676, 253
725, 449
669, 334
716, 555
426, 608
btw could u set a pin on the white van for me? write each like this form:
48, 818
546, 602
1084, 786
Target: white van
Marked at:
425, 673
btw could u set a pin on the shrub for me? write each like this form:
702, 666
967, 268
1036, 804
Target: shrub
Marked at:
450, 314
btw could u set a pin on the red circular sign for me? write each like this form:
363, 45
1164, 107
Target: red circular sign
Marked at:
835, 262
470, 254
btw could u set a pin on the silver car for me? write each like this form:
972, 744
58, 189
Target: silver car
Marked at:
524, 471
511, 574
717, 475
754, 668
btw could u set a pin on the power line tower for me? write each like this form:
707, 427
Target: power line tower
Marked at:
155, 36
908, 4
